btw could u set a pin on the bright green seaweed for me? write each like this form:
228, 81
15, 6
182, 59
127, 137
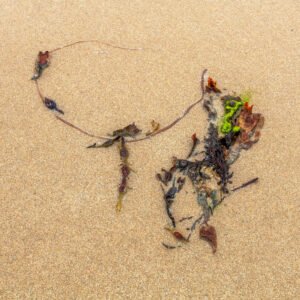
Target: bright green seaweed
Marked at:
231, 107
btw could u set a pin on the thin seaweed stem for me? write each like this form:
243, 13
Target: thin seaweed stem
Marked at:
81, 130
164, 129
99, 42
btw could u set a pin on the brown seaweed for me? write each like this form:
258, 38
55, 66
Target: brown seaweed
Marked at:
42, 62
208, 233
254, 180
196, 142
212, 86
129, 131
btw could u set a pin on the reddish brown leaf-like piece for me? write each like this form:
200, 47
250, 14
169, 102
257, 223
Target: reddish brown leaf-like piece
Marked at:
196, 141
131, 130
43, 57
250, 124
212, 86
179, 236
41, 63
209, 234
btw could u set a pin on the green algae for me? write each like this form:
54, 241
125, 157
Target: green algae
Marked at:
232, 106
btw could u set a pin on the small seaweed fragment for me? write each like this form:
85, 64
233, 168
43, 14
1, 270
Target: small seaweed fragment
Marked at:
169, 197
215, 200
202, 199
250, 124
155, 127
51, 104
166, 177
177, 235
170, 246
42, 62
254, 180
209, 107
125, 171
212, 86
185, 218
200, 220
208, 233
180, 183
215, 157
196, 142
228, 139
129, 131
106, 144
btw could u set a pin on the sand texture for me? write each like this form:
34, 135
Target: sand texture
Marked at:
60, 237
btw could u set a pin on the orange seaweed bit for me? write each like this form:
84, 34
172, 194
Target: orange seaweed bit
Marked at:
248, 107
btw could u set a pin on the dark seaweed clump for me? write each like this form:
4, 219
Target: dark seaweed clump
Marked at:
209, 170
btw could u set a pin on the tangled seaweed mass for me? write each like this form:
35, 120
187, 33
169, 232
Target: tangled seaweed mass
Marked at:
232, 127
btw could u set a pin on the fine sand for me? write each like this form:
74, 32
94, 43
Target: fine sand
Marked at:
60, 237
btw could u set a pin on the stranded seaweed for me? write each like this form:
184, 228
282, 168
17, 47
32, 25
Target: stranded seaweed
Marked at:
232, 127
209, 170
132, 131
42, 62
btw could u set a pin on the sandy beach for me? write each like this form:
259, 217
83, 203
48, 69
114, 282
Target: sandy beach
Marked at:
60, 236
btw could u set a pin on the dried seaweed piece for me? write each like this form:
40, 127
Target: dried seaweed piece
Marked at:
124, 153
106, 144
125, 171
215, 157
170, 246
129, 131
201, 220
42, 62
251, 125
208, 233
228, 139
196, 142
231, 97
185, 218
51, 104
212, 86
166, 177
169, 197
202, 201
209, 107
43, 58
215, 200
254, 180
155, 127
180, 183
177, 235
